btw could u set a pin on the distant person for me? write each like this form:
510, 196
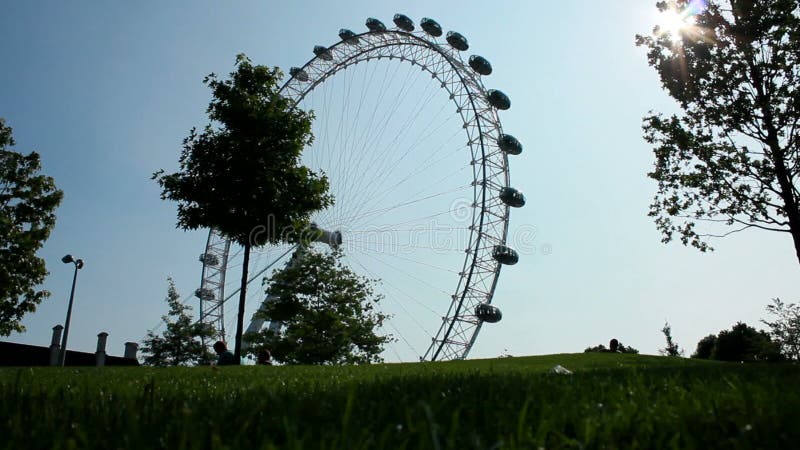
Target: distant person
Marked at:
613, 346
225, 357
264, 358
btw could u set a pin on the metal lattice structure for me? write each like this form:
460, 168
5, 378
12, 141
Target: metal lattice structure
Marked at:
212, 288
477, 109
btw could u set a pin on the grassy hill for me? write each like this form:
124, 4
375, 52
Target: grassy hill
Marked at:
610, 401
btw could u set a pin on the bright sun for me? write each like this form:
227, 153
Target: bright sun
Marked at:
673, 22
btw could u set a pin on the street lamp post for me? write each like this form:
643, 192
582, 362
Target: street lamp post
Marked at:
78, 265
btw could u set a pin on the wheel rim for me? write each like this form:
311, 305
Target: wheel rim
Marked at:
477, 279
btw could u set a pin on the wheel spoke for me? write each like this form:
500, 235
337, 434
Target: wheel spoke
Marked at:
400, 163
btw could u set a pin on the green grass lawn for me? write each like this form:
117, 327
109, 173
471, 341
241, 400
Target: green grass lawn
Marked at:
611, 401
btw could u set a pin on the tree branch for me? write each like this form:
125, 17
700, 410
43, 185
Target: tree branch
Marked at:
728, 233
731, 217
762, 227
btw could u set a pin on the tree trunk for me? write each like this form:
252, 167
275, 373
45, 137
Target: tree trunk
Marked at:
782, 174
790, 202
794, 227
242, 295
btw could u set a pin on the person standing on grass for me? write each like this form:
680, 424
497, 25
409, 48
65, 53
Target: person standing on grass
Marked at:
225, 357
264, 358
613, 346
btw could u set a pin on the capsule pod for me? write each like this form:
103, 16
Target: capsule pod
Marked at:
431, 27
505, 255
403, 22
348, 36
332, 238
480, 64
323, 52
457, 41
498, 99
512, 197
509, 144
209, 259
488, 313
298, 73
204, 294
375, 25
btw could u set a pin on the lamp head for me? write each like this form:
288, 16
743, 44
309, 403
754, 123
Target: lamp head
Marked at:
67, 259
79, 264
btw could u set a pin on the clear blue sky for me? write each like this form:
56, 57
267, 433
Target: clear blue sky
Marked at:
106, 92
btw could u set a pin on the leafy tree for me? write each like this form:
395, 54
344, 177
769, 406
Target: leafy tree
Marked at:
705, 347
245, 174
672, 348
743, 343
731, 158
785, 329
328, 312
28, 201
181, 343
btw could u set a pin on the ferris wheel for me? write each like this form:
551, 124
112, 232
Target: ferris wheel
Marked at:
417, 161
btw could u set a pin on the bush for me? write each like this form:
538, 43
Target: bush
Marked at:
620, 349
741, 343
744, 343
705, 347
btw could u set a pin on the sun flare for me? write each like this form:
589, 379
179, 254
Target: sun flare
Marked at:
674, 22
